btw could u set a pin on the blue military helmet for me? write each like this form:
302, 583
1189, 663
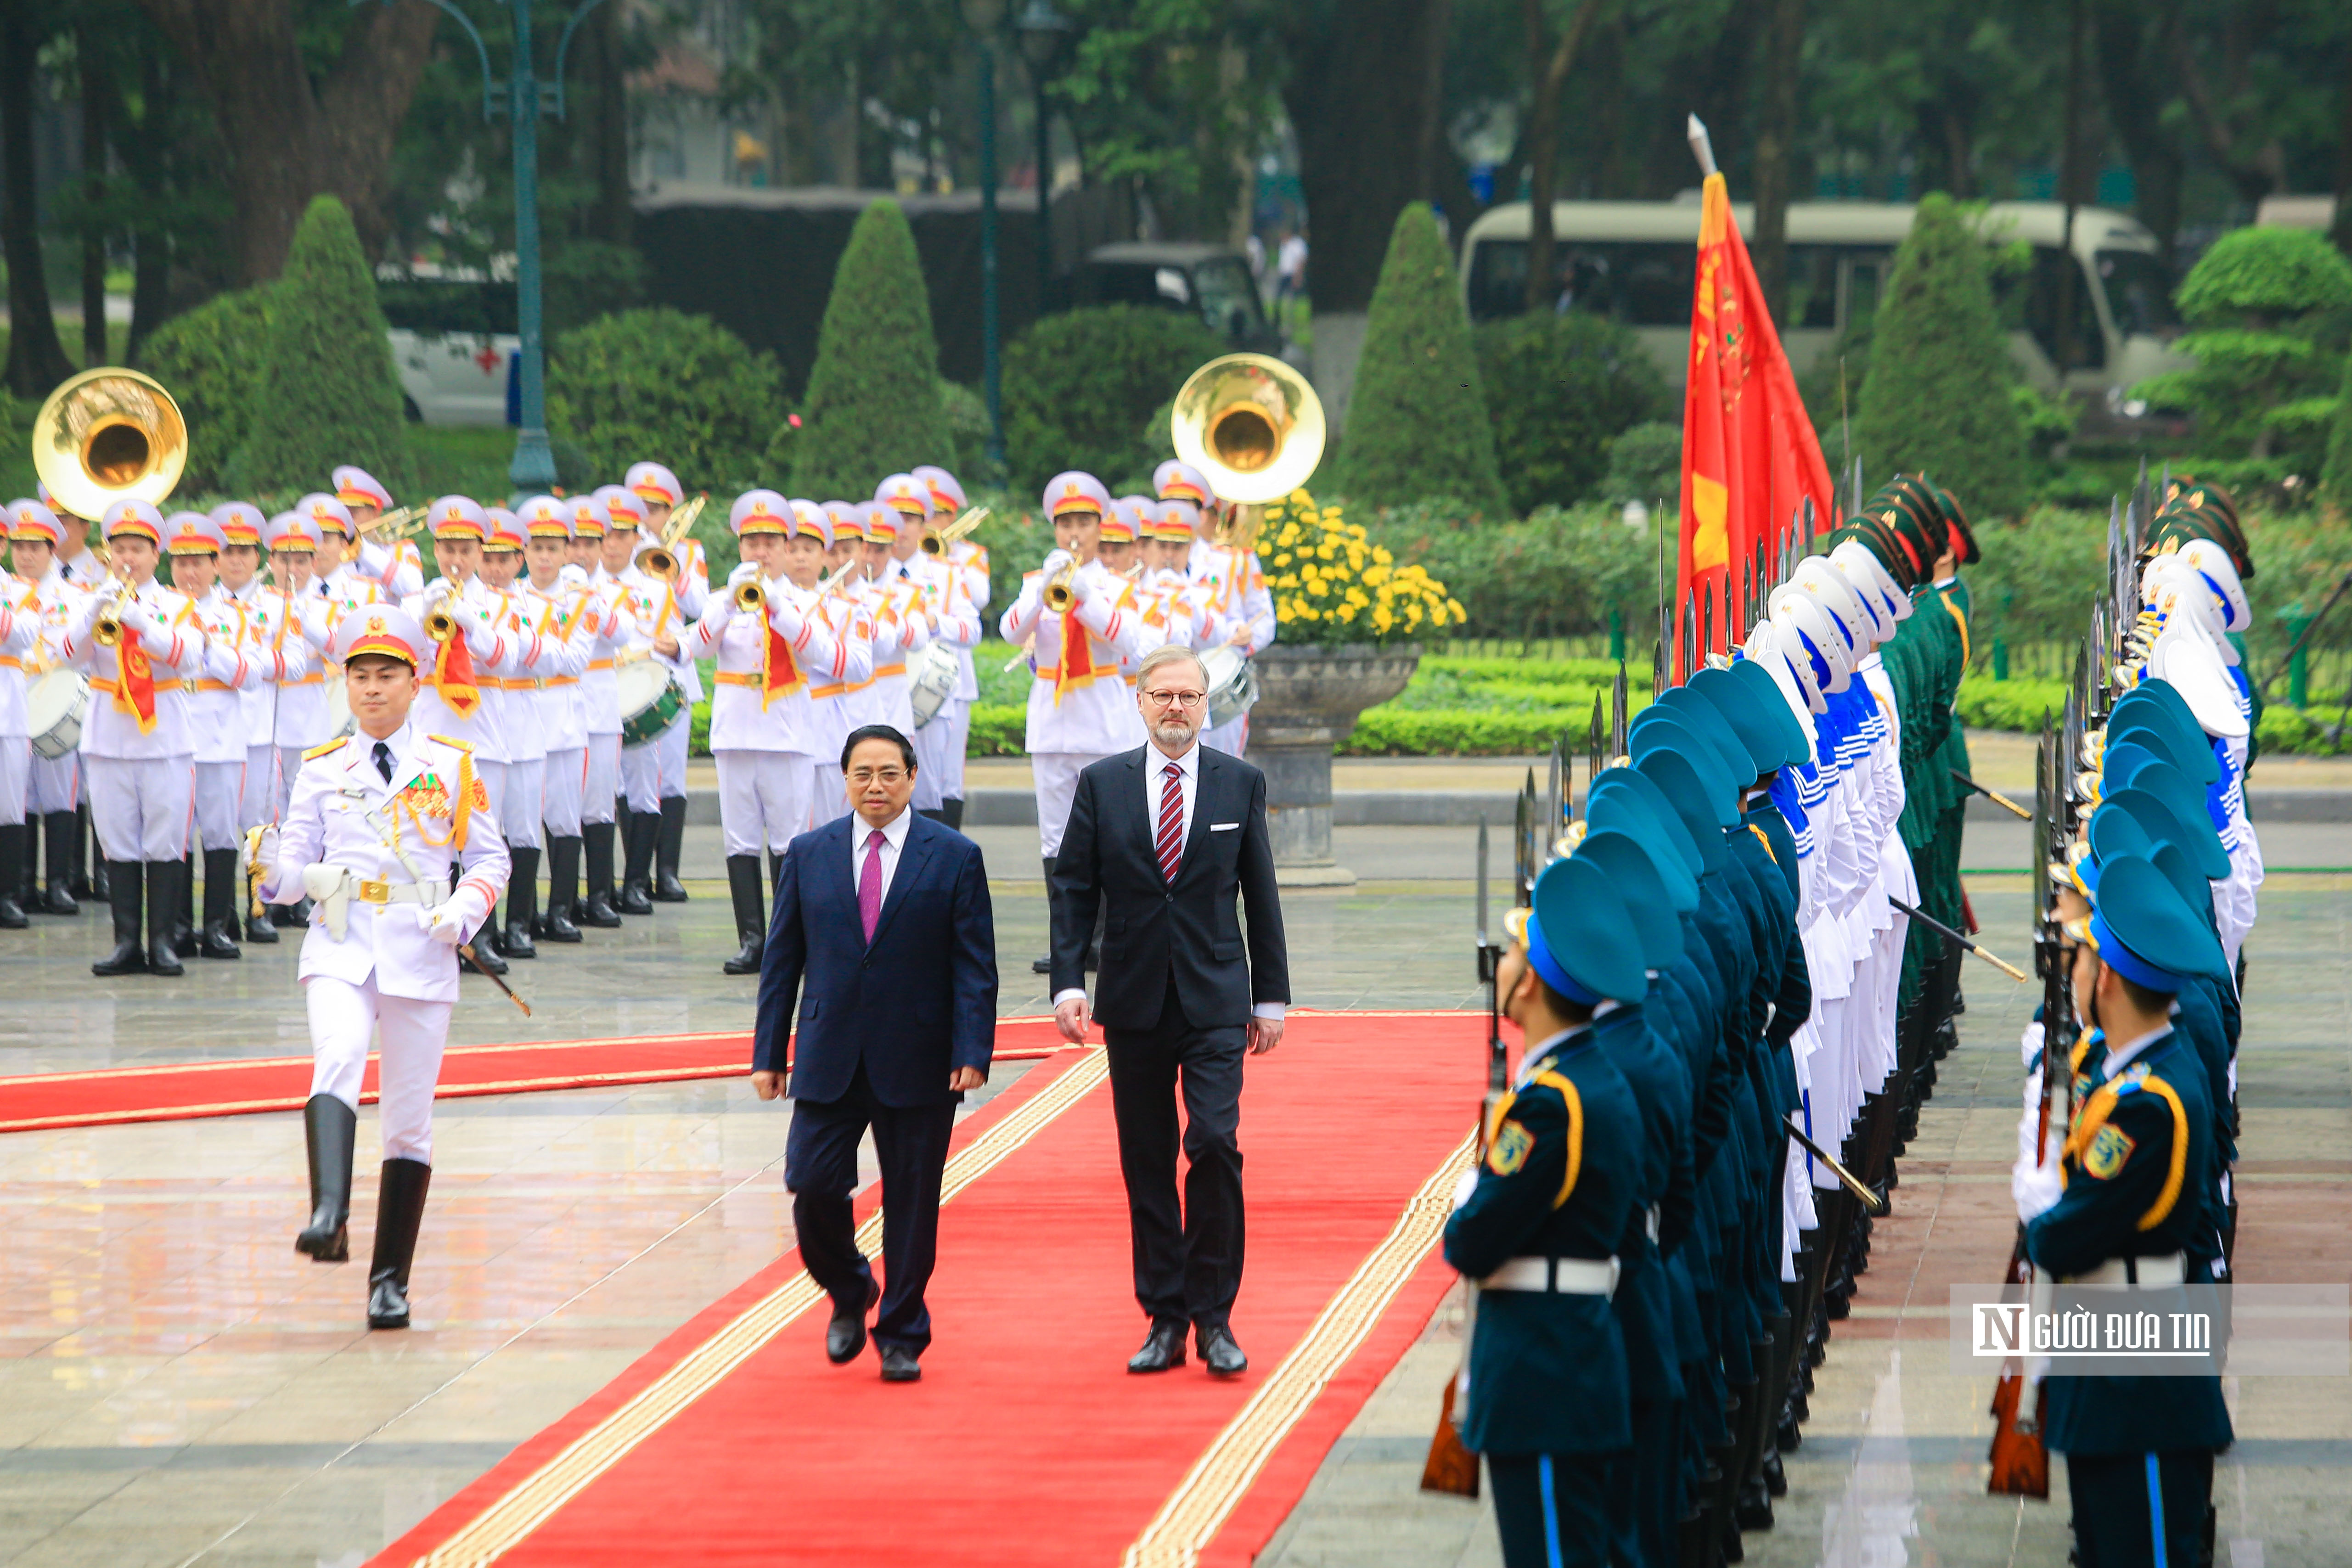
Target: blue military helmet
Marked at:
1659, 729
1727, 697
2145, 933
2164, 694
2152, 726
1630, 869
2195, 835
1580, 939
1707, 719
1624, 800
2121, 762
2194, 889
2114, 832
2186, 801
1765, 696
1678, 781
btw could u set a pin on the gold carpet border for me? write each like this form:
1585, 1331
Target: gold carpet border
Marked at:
1226, 1470
536, 1499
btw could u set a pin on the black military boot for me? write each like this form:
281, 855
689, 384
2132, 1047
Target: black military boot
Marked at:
220, 907
522, 903
399, 1210
329, 1128
128, 957
598, 909
562, 891
184, 907
669, 849
1044, 965
12, 860
88, 858
952, 810
750, 917
486, 960
644, 830
163, 915
59, 832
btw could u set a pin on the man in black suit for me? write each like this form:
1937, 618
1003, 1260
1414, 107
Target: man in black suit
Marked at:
886, 913
1163, 838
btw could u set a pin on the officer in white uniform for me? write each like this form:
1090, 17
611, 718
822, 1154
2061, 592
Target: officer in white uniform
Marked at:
376, 822
1079, 708
242, 526
967, 558
604, 614
53, 785
553, 607
901, 621
1236, 582
216, 725
761, 731
397, 567
838, 707
652, 775
510, 702
658, 492
139, 641
953, 620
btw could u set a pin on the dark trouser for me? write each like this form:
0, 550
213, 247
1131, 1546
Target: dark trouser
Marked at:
821, 1172
2123, 1501
1188, 1261
1552, 1510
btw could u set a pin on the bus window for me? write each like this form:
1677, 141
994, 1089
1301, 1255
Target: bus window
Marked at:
1498, 278
438, 306
2139, 292
1865, 278
1228, 296
1812, 287
2030, 301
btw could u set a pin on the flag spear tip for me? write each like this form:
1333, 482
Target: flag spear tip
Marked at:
1701, 147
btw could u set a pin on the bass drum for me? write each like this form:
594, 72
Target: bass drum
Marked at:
935, 671
339, 707
55, 708
1233, 685
651, 700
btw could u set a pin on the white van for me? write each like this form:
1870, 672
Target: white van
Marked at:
1635, 261
454, 344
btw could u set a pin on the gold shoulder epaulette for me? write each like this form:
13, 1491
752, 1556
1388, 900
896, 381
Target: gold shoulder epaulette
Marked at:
452, 740
322, 750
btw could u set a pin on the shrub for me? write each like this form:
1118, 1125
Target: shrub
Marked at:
2260, 304
2336, 483
677, 389
1556, 574
1417, 422
1938, 397
210, 359
328, 391
1645, 465
967, 416
1560, 389
1081, 387
585, 279
875, 348
999, 729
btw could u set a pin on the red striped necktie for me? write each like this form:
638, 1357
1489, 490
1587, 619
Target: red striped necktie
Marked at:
1170, 839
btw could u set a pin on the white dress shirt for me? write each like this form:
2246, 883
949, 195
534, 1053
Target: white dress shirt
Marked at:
894, 838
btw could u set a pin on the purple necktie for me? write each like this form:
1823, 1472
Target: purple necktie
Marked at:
869, 885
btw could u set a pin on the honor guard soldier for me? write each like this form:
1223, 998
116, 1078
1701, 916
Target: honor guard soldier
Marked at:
1078, 625
768, 640
45, 606
397, 567
1537, 1223
232, 667
952, 621
377, 820
602, 611
553, 608
640, 821
967, 558
511, 706
20, 629
77, 562
139, 641
660, 493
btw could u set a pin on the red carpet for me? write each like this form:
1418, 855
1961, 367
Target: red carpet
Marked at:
174, 1091
1026, 1441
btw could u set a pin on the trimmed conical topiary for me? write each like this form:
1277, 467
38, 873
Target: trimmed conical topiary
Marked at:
1417, 423
1941, 394
328, 393
873, 406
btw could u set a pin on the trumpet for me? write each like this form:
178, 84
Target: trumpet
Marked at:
750, 598
106, 630
661, 559
442, 626
936, 541
1057, 595
389, 527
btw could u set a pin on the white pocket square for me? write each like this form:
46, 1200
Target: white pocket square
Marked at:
1223, 827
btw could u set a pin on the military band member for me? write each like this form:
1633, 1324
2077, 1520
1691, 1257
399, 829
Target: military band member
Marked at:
1080, 711
602, 611
659, 494
242, 524
510, 704
837, 706
761, 731
20, 628
77, 562
902, 626
553, 608
652, 775
138, 640
941, 590
216, 725
396, 568
1236, 582
299, 677
943, 764
52, 784
377, 820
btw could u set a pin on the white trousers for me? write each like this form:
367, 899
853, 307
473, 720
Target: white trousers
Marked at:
281, 787
253, 796
763, 799
344, 1021
828, 791
672, 748
16, 779
938, 755
1057, 773
1232, 739
517, 808
53, 784
220, 788
657, 768
602, 780
139, 805
563, 776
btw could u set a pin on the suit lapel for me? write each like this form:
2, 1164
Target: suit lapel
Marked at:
1143, 792
1203, 782
912, 856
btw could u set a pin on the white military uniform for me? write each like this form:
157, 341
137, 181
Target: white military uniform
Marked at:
939, 748
20, 629
236, 671
657, 768
136, 743
52, 784
1080, 711
967, 559
1237, 594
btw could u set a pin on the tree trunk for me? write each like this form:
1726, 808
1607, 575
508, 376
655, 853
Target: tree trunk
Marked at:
2132, 52
610, 155
1776, 136
150, 269
36, 360
289, 142
93, 184
2342, 233
1543, 139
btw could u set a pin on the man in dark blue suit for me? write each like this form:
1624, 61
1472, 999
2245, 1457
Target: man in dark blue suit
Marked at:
886, 914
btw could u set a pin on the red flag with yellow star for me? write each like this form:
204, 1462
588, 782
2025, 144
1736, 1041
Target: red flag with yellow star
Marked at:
1749, 455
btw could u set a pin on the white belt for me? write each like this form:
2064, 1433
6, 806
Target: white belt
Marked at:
1650, 1221
2168, 1269
332, 887
1556, 1276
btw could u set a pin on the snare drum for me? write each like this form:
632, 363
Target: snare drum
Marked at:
935, 670
651, 700
55, 709
339, 707
1233, 685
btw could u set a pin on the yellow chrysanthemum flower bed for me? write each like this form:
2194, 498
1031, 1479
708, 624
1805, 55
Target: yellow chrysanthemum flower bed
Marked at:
1332, 584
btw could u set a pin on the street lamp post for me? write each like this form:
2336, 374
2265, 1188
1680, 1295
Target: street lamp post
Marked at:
986, 16
1043, 31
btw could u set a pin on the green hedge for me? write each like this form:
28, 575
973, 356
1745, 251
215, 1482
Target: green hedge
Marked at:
210, 359
663, 385
1081, 388
1559, 390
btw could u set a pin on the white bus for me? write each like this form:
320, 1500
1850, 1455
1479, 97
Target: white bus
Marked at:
1635, 261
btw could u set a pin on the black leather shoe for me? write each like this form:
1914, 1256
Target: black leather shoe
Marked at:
1041, 966
899, 1365
1220, 1355
1163, 1349
844, 1336
263, 932
486, 962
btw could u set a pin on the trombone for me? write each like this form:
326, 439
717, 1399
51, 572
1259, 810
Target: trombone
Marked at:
661, 559
389, 527
937, 540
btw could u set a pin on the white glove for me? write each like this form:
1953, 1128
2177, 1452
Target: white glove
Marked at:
785, 617
446, 923
134, 615
1081, 590
744, 572
1056, 562
436, 592
2038, 1188
2029, 1044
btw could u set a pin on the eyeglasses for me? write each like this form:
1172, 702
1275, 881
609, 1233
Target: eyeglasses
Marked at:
1176, 699
887, 777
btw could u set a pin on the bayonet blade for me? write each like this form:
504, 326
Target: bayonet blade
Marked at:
1618, 717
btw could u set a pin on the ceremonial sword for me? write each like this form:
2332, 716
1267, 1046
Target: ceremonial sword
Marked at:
1846, 1178
1932, 923
1995, 796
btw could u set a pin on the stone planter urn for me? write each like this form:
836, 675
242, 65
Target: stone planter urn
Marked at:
1308, 701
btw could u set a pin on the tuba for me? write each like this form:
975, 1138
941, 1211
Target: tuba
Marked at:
107, 436
1253, 425
661, 559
